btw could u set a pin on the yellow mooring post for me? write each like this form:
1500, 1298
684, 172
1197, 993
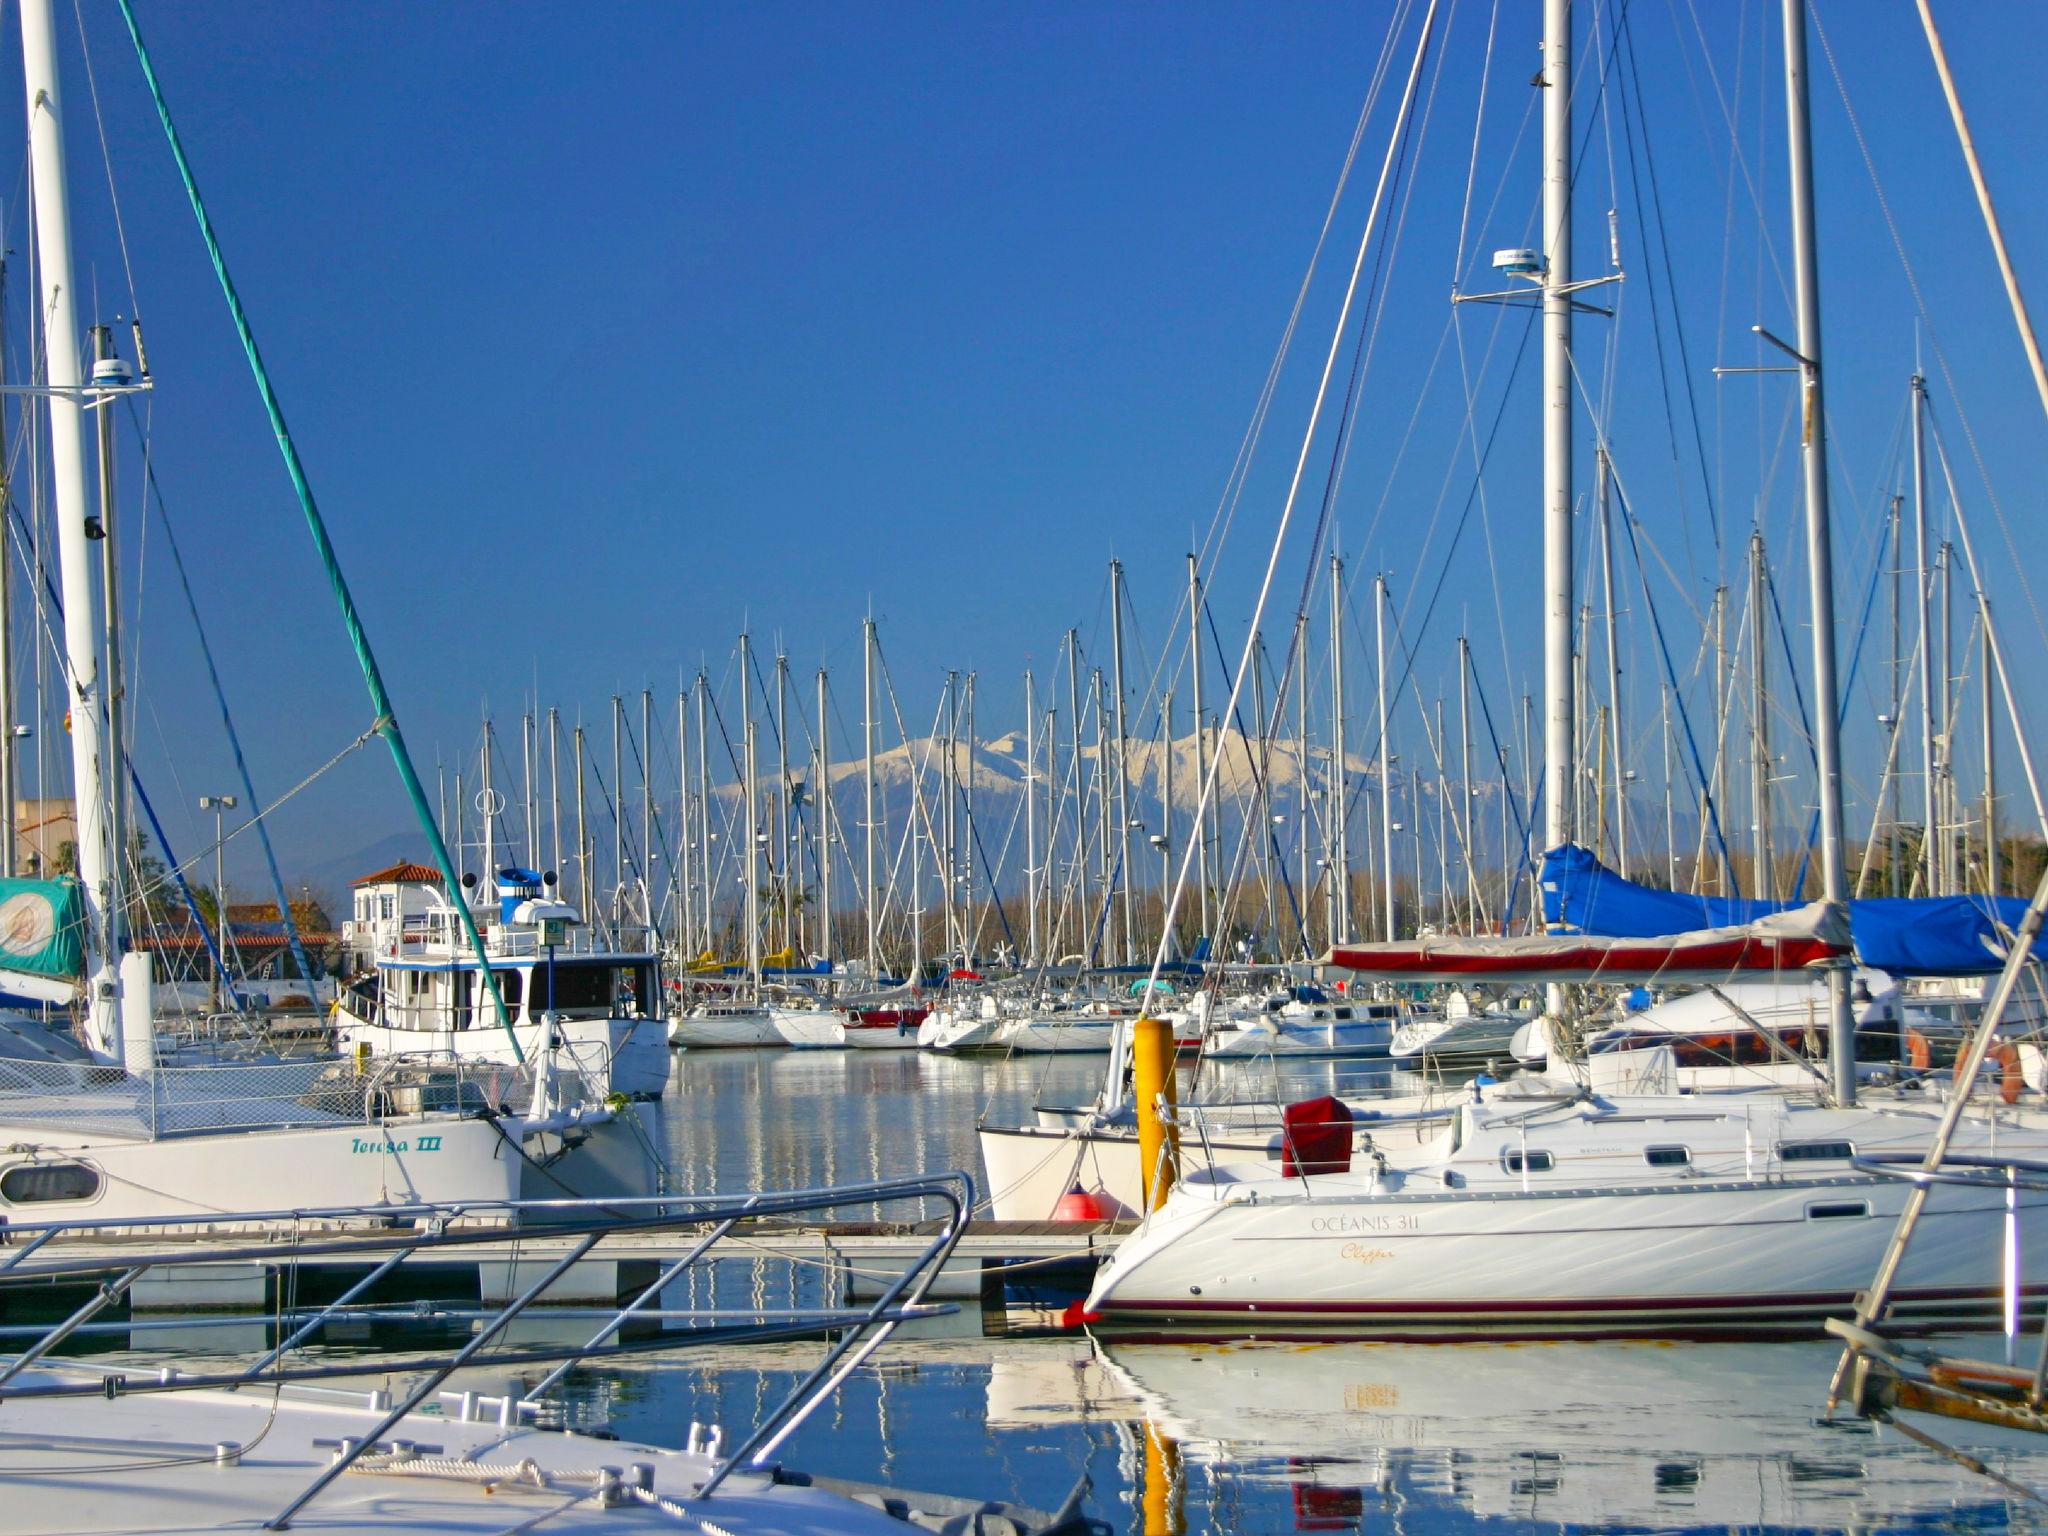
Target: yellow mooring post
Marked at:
1151, 1080
1163, 1491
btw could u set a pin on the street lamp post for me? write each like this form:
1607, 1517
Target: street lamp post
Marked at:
220, 805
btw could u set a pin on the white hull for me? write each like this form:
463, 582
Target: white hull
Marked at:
1595, 1241
807, 1029
1476, 1035
1041, 1036
261, 1170
616, 1055
743, 1027
876, 1037
949, 1032
1288, 1037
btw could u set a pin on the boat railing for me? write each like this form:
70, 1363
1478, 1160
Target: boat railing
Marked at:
386, 1237
91, 1098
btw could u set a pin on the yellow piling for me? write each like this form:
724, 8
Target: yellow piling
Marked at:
1152, 1080
1163, 1512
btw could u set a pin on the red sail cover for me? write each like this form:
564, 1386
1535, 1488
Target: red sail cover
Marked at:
1784, 941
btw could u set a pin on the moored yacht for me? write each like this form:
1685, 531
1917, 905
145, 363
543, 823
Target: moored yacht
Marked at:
565, 990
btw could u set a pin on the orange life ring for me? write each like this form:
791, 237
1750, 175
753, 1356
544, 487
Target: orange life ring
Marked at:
2010, 1082
1919, 1054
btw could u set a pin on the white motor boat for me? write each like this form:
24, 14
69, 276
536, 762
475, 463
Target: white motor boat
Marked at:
562, 988
969, 1023
1303, 1022
1458, 1031
1572, 1216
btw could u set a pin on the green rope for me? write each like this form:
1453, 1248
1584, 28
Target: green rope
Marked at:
380, 701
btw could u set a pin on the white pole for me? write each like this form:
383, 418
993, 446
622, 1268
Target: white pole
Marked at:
1819, 548
1930, 816
74, 556
867, 820
1379, 592
1559, 704
1340, 861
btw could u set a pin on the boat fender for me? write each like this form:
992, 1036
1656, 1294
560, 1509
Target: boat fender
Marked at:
1078, 1205
1919, 1053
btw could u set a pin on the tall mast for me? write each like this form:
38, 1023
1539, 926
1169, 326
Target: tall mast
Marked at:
1123, 776
1559, 768
1763, 877
618, 809
685, 903
1165, 804
1081, 917
822, 803
1031, 867
1340, 801
753, 869
1987, 661
531, 824
949, 857
867, 820
1892, 721
67, 478
1379, 611
1614, 732
555, 788
704, 885
785, 858
10, 793
750, 826
110, 585
1819, 546
582, 832
967, 919
647, 805
1299, 655
1473, 900
1200, 830
1944, 722
1922, 569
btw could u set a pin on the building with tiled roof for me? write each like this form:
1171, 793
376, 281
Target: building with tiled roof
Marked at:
405, 872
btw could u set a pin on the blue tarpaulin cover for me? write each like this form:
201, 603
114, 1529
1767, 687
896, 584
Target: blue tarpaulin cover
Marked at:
1905, 935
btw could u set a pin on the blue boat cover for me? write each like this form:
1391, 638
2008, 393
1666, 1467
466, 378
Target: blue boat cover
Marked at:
1905, 935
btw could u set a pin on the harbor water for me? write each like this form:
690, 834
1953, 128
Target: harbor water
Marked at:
1250, 1438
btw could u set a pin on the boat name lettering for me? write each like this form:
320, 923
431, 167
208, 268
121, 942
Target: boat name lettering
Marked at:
372, 1146
1363, 1254
1387, 1223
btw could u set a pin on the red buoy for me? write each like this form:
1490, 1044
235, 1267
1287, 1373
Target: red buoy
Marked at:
1078, 1205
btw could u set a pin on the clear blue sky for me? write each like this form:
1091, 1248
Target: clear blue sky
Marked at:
606, 330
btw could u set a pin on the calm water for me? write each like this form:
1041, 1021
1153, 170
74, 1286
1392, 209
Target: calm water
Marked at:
1261, 1438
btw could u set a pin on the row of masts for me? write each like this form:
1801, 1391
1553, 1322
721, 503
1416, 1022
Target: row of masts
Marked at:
728, 820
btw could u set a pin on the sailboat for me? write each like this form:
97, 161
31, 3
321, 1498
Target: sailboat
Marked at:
117, 1132
1562, 1213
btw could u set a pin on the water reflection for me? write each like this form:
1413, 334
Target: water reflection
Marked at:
1266, 1438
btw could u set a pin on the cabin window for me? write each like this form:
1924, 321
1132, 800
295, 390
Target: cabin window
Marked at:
510, 985
1824, 1210
1667, 1157
1340, 1013
1528, 1162
583, 990
35, 1183
1815, 1151
385, 907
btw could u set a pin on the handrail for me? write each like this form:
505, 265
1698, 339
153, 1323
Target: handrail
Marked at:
582, 1225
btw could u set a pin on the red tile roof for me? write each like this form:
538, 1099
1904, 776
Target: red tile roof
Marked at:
404, 874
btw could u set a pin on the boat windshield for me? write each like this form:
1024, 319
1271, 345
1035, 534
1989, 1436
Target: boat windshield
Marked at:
588, 989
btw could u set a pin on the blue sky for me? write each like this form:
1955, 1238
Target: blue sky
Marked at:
607, 330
